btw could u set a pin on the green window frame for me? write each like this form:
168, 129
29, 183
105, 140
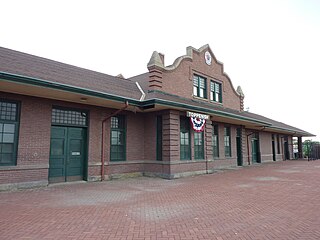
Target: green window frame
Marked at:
118, 138
198, 145
9, 125
159, 138
199, 86
185, 150
227, 142
215, 91
215, 140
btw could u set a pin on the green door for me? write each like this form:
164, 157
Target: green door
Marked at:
273, 151
254, 150
239, 147
67, 154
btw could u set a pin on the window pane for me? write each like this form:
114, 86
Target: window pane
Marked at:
195, 81
202, 82
57, 147
1, 127
201, 92
217, 87
195, 91
6, 148
8, 128
6, 158
217, 97
8, 138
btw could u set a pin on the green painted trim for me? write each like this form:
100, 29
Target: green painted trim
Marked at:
201, 109
65, 87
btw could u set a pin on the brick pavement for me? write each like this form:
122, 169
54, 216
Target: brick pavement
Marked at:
270, 201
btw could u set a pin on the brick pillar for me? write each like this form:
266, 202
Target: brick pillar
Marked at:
171, 128
208, 140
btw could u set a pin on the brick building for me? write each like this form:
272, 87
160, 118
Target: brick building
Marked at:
64, 123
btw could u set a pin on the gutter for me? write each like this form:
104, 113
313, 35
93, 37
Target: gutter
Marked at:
103, 136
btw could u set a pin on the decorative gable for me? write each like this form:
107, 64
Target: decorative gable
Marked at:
197, 75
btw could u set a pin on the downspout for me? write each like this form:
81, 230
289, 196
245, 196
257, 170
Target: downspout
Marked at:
103, 148
248, 149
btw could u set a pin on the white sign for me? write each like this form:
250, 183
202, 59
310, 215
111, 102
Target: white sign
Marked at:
197, 115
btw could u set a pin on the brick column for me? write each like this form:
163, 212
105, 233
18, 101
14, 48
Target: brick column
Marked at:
171, 126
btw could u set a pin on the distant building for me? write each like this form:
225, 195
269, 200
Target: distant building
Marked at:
61, 123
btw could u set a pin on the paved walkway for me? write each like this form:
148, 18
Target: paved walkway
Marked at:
270, 201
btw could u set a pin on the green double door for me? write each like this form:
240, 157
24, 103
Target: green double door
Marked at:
255, 151
67, 154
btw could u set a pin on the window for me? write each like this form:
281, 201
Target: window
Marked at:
8, 133
185, 139
159, 138
215, 92
118, 139
215, 140
198, 145
199, 87
227, 142
278, 144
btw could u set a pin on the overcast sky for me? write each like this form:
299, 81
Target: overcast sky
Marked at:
270, 48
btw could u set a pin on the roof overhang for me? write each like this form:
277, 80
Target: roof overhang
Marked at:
41, 88
221, 116
12, 83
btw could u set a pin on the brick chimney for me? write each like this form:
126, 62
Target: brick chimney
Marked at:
240, 92
155, 67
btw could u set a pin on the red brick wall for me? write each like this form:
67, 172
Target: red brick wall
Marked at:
265, 140
180, 80
150, 130
33, 142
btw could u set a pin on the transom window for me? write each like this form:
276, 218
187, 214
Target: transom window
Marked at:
69, 117
215, 92
215, 140
8, 133
199, 87
227, 142
118, 139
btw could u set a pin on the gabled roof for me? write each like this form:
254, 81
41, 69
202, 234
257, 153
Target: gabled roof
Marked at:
33, 70
27, 65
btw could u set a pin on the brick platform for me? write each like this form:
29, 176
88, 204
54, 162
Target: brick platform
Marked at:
270, 201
